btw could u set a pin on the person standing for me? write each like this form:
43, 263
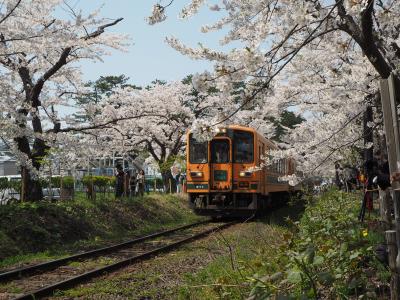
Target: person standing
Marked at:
140, 182
132, 184
338, 175
119, 182
178, 183
127, 178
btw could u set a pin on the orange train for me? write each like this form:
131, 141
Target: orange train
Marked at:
219, 180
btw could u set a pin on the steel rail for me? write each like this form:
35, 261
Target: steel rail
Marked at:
25, 271
49, 290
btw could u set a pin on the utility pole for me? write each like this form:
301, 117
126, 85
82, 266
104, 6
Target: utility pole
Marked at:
390, 118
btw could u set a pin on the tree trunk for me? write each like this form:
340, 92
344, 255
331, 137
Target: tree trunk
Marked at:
31, 190
169, 182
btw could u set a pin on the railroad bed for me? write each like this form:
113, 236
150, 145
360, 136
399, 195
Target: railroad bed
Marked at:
33, 282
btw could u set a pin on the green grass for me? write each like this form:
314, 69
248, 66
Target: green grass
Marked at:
31, 258
10, 288
226, 277
34, 232
202, 270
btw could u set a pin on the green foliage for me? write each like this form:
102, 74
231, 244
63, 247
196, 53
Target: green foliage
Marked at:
16, 185
68, 182
3, 183
287, 119
326, 255
103, 87
99, 181
111, 181
10, 184
170, 161
167, 164
158, 180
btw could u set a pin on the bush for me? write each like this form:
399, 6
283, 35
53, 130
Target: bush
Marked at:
159, 182
15, 185
101, 182
68, 182
326, 255
3, 183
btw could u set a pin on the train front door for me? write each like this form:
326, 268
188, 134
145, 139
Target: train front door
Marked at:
221, 165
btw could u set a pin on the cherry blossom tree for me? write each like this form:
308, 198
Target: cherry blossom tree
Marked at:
167, 110
320, 57
39, 52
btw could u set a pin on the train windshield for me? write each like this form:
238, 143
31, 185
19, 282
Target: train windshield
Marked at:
198, 151
220, 151
243, 145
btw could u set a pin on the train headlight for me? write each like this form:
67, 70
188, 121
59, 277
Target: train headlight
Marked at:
220, 130
196, 174
245, 174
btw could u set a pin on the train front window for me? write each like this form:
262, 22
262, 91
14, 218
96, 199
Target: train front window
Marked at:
198, 151
220, 151
243, 147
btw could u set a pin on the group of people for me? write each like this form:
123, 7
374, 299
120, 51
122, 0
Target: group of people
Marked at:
129, 185
180, 180
348, 178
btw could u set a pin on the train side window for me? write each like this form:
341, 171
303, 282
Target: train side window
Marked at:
198, 151
284, 166
271, 163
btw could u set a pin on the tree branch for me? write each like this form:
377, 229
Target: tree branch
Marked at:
11, 11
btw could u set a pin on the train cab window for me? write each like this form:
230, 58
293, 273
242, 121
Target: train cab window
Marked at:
243, 147
220, 151
198, 151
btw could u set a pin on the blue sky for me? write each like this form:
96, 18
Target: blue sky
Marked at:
149, 57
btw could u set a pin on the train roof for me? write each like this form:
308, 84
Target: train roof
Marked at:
250, 129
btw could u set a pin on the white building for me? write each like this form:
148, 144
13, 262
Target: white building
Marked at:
8, 166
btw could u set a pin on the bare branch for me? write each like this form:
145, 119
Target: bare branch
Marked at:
101, 29
11, 11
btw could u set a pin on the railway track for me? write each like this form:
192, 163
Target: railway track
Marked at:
45, 279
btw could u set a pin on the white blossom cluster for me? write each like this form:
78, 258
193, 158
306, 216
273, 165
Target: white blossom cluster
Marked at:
157, 15
305, 56
40, 49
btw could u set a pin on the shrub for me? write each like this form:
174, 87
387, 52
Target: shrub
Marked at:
159, 182
15, 185
325, 256
101, 182
3, 183
68, 182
